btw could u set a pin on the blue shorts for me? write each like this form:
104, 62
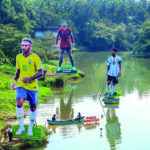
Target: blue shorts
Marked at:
31, 96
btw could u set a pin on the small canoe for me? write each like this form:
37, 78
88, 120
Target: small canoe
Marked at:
65, 122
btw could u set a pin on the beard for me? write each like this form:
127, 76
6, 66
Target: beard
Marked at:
25, 51
113, 55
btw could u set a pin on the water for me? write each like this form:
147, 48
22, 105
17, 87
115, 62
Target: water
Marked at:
125, 127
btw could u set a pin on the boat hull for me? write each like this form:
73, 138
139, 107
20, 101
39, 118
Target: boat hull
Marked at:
65, 122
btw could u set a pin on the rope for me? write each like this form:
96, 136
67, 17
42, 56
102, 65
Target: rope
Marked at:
100, 98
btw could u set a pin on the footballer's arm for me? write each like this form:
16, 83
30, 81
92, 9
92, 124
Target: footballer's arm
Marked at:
36, 76
15, 79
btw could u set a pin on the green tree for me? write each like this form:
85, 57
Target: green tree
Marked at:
44, 46
7, 12
85, 17
10, 41
108, 37
143, 43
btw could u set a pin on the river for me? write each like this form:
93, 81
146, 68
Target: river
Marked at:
125, 127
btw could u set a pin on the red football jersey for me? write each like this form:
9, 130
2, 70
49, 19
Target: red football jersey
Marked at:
64, 35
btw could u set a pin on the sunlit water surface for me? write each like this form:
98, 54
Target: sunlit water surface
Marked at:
125, 127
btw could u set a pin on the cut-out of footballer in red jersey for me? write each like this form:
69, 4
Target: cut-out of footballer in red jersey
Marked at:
65, 34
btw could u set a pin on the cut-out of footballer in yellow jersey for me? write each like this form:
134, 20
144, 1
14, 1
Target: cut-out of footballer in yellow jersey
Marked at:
28, 67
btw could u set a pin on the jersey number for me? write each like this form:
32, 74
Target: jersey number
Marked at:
24, 67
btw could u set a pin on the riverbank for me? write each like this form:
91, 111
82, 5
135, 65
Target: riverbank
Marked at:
7, 98
20, 144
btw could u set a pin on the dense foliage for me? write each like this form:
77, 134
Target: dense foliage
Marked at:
96, 24
143, 43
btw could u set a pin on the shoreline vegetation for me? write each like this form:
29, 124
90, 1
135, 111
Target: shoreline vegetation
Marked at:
47, 84
96, 25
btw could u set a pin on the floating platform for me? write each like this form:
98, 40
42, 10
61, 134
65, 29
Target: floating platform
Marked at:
107, 100
112, 99
66, 70
36, 133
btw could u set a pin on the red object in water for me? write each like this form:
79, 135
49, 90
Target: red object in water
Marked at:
91, 119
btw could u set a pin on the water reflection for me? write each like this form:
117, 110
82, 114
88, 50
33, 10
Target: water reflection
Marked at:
66, 129
117, 126
90, 126
113, 130
135, 74
66, 110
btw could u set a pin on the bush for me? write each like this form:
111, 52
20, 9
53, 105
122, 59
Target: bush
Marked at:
54, 82
7, 69
75, 76
46, 82
59, 82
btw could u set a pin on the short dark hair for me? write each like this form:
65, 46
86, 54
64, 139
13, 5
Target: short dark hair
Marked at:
28, 40
114, 49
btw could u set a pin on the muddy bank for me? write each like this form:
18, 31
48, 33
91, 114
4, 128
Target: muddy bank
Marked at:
22, 144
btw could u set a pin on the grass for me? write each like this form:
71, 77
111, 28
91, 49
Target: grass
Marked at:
25, 142
116, 94
8, 69
36, 133
111, 102
60, 80
51, 65
8, 100
74, 48
66, 67
44, 92
50, 68
7, 96
78, 48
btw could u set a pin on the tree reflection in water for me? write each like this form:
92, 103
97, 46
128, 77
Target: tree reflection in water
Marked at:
113, 130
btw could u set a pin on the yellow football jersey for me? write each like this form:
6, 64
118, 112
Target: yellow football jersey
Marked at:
28, 67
